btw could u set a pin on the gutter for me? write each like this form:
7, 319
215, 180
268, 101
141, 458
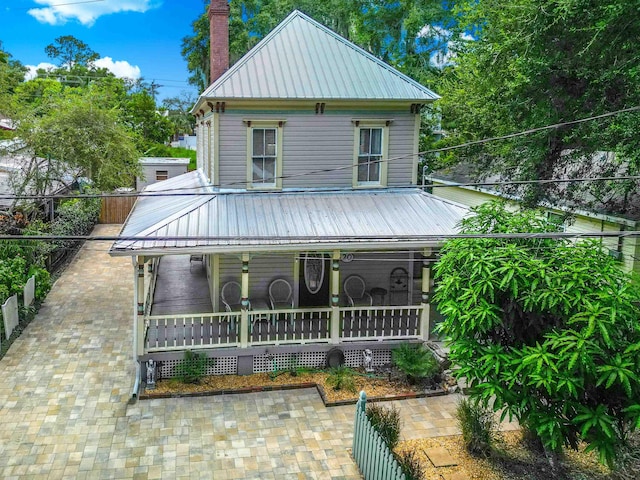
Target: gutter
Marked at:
136, 386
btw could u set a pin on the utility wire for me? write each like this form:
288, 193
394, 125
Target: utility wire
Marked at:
189, 191
58, 4
175, 191
318, 240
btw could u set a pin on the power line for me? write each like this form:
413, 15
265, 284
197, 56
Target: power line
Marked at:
59, 4
389, 160
188, 191
317, 240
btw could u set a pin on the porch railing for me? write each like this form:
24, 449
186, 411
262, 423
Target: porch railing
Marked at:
379, 323
180, 332
280, 327
290, 326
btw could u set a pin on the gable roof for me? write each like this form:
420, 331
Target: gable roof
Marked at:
302, 59
233, 222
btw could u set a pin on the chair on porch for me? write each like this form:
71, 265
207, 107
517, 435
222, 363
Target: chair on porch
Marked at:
281, 297
280, 294
196, 258
231, 295
356, 290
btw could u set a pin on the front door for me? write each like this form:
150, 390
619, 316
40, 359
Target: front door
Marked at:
315, 272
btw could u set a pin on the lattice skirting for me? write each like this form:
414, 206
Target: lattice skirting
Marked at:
268, 362
283, 361
221, 366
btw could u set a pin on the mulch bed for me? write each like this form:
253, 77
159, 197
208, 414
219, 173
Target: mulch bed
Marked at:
377, 389
510, 461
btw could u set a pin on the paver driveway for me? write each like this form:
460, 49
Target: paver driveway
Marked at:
65, 385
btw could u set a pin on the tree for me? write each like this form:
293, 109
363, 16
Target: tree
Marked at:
70, 51
140, 114
388, 30
11, 76
546, 329
536, 63
179, 108
81, 138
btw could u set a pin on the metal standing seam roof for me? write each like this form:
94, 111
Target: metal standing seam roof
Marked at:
257, 221
302, 59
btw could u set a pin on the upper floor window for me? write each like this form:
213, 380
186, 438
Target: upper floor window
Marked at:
371, 146
264, 154
162, 175
370, 155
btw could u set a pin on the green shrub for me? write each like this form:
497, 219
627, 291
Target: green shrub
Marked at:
478, 426
385, 421
341, 378
411, 465
415, 361
193, 367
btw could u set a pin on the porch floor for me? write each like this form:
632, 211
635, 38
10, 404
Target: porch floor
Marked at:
181, 287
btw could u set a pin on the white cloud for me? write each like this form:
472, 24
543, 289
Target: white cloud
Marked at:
120, 68
55, 12
32, 72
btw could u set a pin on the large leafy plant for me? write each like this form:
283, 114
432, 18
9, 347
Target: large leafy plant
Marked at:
545, 328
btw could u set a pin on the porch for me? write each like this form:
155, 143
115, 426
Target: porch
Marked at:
180, 316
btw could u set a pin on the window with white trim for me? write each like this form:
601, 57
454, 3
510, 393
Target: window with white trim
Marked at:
264, 154
370, 153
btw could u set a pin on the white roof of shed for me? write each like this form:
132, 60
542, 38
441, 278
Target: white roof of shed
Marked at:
164, 161
302, 59
260, 221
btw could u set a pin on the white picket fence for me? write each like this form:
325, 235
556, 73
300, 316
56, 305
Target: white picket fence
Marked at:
372, 455
10, 314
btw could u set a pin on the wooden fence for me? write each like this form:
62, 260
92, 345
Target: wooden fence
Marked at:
115, 209
372, 455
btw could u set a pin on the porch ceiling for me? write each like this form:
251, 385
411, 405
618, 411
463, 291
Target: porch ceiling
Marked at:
233, 222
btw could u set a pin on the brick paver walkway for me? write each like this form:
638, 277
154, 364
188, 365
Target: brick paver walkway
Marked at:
66, 382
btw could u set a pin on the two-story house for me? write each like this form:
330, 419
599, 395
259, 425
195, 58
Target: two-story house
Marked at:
304, 209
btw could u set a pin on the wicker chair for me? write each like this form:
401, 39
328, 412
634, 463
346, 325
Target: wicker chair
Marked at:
355, 289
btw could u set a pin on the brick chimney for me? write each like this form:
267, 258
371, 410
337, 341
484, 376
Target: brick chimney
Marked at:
218, 38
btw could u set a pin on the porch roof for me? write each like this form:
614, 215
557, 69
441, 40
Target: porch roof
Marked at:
240, 221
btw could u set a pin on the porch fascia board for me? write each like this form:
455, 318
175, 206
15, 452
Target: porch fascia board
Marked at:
236, 250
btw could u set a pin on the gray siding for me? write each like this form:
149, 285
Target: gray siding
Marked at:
262, 270
313, 142
375, 269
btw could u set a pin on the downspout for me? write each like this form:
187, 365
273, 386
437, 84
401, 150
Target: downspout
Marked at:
136, 383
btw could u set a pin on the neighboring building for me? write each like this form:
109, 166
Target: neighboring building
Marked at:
309, 222
157, 169
570, 220
185, 141
15, 163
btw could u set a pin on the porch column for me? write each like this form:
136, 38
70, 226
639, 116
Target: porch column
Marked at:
139, 299
425, 326
244, 311
335, 297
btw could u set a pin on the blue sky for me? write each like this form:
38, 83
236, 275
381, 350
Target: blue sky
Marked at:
146, 34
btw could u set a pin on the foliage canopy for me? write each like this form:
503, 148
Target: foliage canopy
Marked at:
545, 328
543, 62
